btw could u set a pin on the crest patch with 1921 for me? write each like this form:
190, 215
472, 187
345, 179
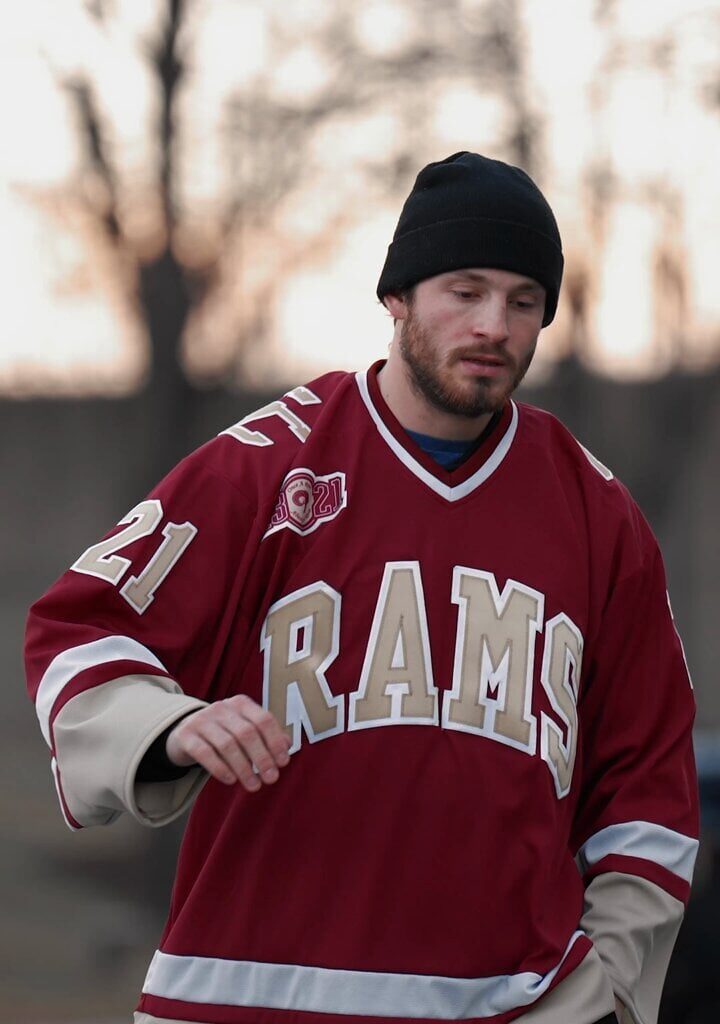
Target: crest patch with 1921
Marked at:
306, 501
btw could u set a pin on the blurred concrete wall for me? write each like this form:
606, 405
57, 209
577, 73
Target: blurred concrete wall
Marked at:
89, 907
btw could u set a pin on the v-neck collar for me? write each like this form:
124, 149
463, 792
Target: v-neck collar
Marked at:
451, 485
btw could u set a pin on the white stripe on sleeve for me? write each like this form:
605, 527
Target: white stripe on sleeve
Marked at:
65, 666
671, 850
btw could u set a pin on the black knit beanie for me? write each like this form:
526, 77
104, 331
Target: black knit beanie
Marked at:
470, 211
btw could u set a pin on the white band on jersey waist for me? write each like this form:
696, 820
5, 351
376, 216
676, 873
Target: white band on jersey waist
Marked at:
671, 850
197, 979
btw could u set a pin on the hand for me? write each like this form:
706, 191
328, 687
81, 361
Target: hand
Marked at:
228, 738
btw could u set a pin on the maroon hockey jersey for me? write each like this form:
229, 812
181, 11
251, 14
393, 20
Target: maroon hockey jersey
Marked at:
488, 703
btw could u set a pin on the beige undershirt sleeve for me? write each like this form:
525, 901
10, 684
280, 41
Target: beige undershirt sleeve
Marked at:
633, 924
583, 996
101, 736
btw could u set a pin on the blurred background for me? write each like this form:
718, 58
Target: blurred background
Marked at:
196, 199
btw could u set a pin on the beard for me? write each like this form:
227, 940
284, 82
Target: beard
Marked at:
431, 377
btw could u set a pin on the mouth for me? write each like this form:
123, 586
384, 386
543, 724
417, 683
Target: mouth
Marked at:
483, 365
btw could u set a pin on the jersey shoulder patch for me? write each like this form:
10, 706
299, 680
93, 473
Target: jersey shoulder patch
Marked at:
291, 416
248, 432
596, 463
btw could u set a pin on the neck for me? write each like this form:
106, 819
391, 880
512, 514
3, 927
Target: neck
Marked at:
414, 412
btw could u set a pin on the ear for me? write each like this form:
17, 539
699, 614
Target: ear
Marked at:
396, 306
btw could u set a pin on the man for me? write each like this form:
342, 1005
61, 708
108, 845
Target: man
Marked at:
408, 647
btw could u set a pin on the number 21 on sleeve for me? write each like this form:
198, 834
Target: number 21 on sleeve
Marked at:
102, 560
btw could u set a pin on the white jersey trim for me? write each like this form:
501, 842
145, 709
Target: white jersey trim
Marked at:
56, 779
65, 666
449, 493
214, 981
671, 850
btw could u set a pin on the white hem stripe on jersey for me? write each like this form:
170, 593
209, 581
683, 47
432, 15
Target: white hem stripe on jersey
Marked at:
671, 850
62, 670
450, 493
196, 979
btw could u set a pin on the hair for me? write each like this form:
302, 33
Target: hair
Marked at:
406, 294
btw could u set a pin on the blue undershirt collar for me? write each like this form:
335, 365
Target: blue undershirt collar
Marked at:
446, 453
451, 454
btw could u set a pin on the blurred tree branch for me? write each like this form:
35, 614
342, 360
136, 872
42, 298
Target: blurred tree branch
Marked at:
275, 153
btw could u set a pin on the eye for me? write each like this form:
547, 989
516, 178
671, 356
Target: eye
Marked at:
462, 294
526, 303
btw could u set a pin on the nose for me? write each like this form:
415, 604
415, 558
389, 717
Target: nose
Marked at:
491, 320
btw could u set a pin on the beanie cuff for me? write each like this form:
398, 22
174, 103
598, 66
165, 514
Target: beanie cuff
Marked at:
449, 245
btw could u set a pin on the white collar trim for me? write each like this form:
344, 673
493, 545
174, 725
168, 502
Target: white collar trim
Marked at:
449, 493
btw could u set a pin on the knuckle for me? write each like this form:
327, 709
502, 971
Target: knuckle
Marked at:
193, 743
280, 752
225, 744
263, 762
249, 779
220, 772
246, 732
186, 725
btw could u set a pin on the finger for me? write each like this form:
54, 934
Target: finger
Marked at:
253, 746
226, 745
273, 735
205, 754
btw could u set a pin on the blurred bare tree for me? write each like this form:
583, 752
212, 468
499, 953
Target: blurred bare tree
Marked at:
276, 147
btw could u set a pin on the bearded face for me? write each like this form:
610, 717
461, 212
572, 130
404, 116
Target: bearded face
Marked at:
470, 380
